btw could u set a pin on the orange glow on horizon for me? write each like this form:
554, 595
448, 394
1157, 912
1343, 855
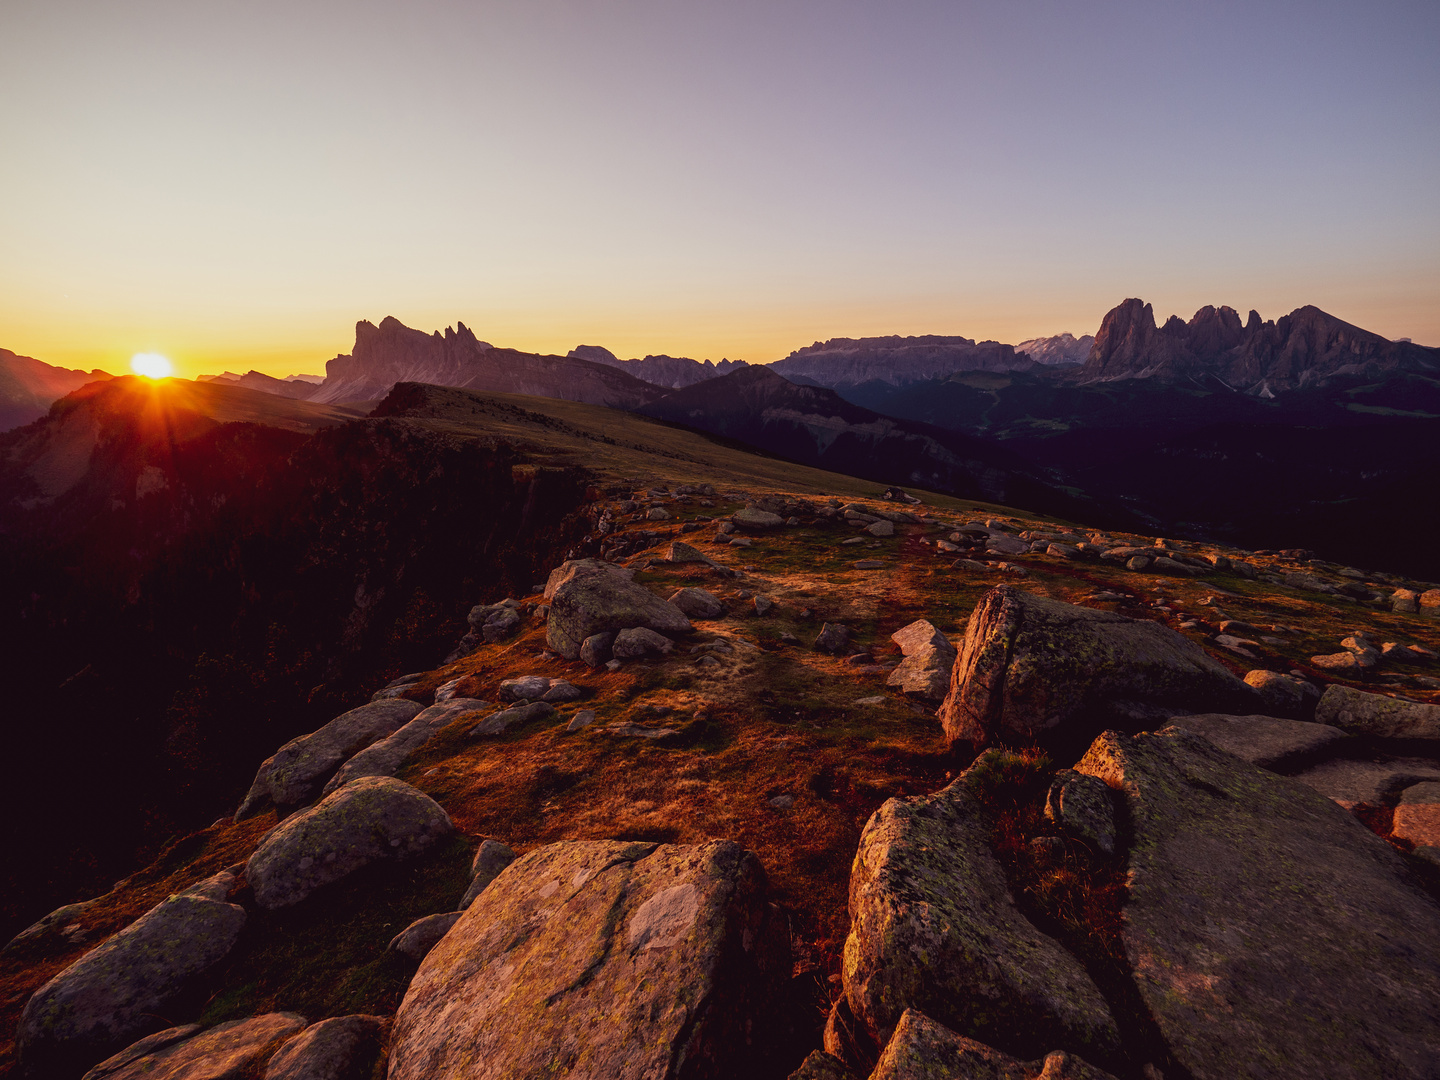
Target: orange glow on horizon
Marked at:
152, 365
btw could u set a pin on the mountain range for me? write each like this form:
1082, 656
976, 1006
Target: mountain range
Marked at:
29, 386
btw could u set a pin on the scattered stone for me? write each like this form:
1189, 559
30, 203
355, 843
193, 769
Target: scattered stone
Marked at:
881, 528
239, 1048
1417, 819
295, 773
496, 723
1267, 741
1343, 663
423, 934
560, 692
595, 600
119, 990
925, 672
921, 1049
853, 540
742, 541
968, 564
1422, 652
658, 513
756, 520
933, 927
388, 756
1430, 601
918, 635
1404, 601
1064, 551
763, 605
1239, 646
1286, 695
637, 731
1264, 923
373, 818
525, 688
1377, 715
1032, 669
491, 857
639, 642
666, 958
1140, 563
783, 802
698, 603
947, 546
684, 553
397, 687
1006, 545
340, 1048
833, 638
876, 699
595, 650
583, 719
1081, 807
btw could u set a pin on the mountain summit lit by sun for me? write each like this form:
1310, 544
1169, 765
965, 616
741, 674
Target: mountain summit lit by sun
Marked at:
151, 365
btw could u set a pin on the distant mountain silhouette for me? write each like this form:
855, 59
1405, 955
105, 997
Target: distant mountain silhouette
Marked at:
293, 387
843, 362
29, 386
670, 371
1059, 349
1263, 358
392, 352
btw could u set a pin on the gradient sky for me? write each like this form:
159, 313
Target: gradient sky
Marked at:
235, 184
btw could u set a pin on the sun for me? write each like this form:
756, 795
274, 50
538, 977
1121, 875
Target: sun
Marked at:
152, 365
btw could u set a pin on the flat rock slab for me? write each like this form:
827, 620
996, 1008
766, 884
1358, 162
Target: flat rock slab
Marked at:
230, 1051
1268, 741
933, 927
388, 756
921, 1049
1377, 715
594, 601
296, 772
1032, 669
1367, 783
1269, 932
370, 819
121, 988
340, 1048
603, 959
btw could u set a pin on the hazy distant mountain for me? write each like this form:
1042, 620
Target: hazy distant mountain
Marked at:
295, 386
392, 352
846, 362
28, 387
671, 371
1263, 358
1060, 349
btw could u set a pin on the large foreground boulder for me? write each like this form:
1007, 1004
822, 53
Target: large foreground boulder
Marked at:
933, 927
595, 599
230, 1051
1036, 670
373, 818
120, 990
921, 1049
1269, 932
602, 959
295, 773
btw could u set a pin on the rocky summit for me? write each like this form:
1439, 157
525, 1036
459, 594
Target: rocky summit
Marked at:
704, 764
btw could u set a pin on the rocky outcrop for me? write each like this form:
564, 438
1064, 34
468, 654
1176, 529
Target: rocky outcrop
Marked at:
297, 772
593, 600
1377, 716
120, 989
921, 1049
224, 1052
1032, 669
369, 819
388, 756
600, 958
933, 927
1264, 925
340, 1048
899, 361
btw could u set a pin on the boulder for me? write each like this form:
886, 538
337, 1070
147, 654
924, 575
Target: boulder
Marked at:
497, 722
921, 1049
933, 927
47, 930
561, 691
595, 650
1006, 545
1430, 601
388, 756
1377, 716
639, 642
296, 772
525, 688
685, 553
605, 959
924, 674
1082, 807
1417, 819
423, 934
698, 603
1032, 669
1345, 664
1269, 932
340, 1048
120, 989
141, 1048
495, 622
367, 820
833, 638
919, 635
568, 571
822, 1066
224, 1052
881, 528
1270, 742
595, 601
1139, 563
1367, 784
753, 520
490, 858
1284, 695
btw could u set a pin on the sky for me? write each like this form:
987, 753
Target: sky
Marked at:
234, 185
